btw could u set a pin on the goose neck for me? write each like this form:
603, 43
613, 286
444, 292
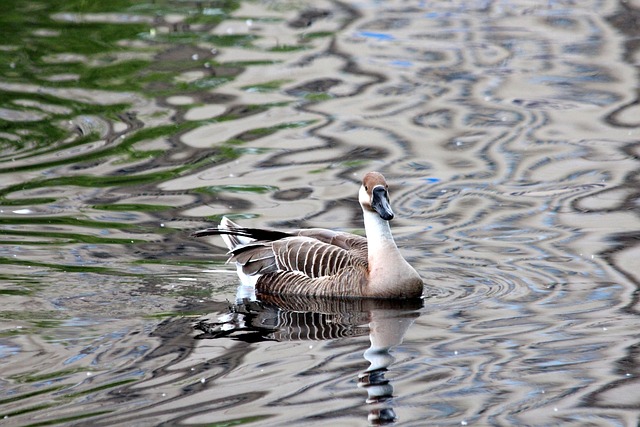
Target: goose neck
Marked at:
379, 237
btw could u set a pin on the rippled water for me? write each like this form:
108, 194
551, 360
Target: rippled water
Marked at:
509, 131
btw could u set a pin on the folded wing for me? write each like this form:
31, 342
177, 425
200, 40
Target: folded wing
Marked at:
309, 256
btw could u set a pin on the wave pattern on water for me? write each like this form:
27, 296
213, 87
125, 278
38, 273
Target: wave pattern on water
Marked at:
508, 132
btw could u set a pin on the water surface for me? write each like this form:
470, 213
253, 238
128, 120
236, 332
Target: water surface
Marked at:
508, 131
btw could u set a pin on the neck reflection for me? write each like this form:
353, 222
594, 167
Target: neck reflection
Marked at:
277, 318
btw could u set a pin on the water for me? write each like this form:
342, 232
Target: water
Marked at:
508, 131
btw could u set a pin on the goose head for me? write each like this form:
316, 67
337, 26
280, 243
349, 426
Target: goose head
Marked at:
374, 195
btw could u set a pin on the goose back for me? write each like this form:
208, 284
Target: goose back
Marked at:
302, 254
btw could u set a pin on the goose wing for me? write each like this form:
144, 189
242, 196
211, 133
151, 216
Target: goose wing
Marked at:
347, 282
309, 256
356, 245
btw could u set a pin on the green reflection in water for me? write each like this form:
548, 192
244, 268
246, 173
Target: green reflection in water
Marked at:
306, 36
265, 87
63, 238
56, 420
68, 419
64, 267
33, 377
28, 395
240, 421
288, 48
132, 207
38, 319
256, 189
21, 292
100, 388
62, 220
64, 61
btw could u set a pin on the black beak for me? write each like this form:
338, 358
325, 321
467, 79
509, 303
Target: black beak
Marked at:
380, 203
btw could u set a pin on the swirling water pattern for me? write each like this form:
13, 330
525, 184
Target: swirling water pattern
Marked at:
508, 131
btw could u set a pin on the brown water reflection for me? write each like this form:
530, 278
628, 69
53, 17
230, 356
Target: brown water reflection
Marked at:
508, 131
313, 319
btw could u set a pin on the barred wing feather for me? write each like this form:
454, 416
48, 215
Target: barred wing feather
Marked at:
305, 255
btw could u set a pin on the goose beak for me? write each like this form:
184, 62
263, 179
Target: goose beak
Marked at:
380, 203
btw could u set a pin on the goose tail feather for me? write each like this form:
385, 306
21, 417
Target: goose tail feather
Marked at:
235, 235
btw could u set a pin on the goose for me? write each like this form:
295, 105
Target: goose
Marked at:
320, 262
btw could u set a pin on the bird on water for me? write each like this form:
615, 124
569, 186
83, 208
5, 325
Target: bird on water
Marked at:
322, 262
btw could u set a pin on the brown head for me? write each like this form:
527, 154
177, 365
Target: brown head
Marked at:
374, 195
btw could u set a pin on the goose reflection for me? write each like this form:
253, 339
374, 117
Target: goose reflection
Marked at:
295, 318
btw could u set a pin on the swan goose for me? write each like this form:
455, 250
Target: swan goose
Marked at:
321, 262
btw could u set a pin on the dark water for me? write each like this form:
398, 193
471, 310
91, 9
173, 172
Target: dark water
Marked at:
509, 131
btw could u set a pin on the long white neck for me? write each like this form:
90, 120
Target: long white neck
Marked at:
389, 272
379, 238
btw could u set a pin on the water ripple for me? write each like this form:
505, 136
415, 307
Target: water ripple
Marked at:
507, 131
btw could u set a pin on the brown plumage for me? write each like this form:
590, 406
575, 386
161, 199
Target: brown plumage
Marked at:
321, 262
